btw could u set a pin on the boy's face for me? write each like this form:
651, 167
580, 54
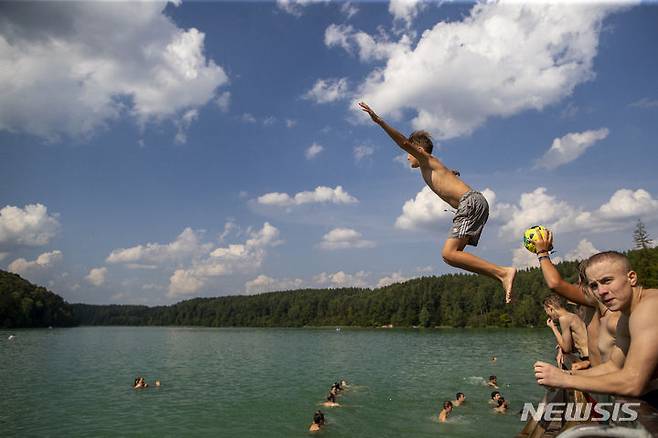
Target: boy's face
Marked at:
611, 284
413, 161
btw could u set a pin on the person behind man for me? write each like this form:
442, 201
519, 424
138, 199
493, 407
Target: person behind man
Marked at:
447, 408
601, 322
502, 407
318, 421
572, 335
330, 402
633, 366
459, 400
472, 207
493, 382
495, 396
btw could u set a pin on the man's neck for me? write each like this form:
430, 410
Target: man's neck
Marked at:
636, 298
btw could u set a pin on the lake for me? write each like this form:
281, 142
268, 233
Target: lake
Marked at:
250, 382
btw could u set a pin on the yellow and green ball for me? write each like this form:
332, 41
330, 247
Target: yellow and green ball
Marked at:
530, 236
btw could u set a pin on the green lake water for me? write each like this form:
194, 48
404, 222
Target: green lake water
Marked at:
234, 382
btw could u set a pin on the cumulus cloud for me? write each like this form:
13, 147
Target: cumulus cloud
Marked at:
582, 251
362, 151
263, 283
321, 194
405, 10
184, 124
44, 261
328, 90
223, 101
313, 151
503, 58
294, 7
366, 47
395, 277
342, 279
566, 149
349, 9
233, 258
186, 245
96, 276
344, 238
645, 102
29, 226
539, 207
69, 68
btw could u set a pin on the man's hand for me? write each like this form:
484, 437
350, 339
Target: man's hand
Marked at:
548, 375
544, 245
550, 323
375, 118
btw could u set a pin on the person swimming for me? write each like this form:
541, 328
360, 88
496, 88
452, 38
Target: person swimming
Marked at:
459, 400
502, 406
318, 421
331, 401
140, 383
447, 408
493, 382
495, 396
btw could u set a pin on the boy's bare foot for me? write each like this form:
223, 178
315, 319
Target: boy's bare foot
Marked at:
508, 283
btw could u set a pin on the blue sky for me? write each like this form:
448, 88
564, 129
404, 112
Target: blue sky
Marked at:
156, 152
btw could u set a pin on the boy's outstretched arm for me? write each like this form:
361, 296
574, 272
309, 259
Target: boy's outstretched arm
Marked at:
397, 137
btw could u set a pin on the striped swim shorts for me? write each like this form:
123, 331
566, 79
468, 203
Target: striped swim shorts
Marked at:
472, 214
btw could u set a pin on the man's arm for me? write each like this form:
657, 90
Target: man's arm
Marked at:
565, 340
552, 277
397, 137
615, 363
640, 363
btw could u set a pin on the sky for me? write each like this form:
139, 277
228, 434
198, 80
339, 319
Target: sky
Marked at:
154, 152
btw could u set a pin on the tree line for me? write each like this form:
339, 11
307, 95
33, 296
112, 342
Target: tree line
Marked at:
455, 300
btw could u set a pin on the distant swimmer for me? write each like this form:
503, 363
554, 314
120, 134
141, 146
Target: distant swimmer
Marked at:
447, 408
331, 401
493, 382
459, 400
11, 337
493, 359
140, 383
502, 407
495, 396
343, 384
157, 383
318, 421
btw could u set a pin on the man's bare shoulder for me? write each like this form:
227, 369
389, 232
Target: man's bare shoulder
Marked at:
646, 310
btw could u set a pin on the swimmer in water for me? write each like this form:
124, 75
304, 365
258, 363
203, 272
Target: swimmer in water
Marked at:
502, 406
318, 421
493, 359
459, 400
493, 382
331, 401
447, 408
495, 396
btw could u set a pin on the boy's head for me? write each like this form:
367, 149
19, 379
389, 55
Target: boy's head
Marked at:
552, 304
421, 139
492, 378
611, 279
447, 405
495, 395
460, 397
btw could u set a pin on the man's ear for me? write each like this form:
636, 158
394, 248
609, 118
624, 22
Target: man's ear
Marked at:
632, 277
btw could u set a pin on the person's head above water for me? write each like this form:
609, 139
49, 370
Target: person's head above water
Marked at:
447, 405
495, 395
460, 397
492, 378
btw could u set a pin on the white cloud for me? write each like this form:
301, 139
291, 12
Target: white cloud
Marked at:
582, 251
645, 102
294, 7
313, 151
248, 118
96, 276
538, 207
405, 10
395, 277
328, 90
44, 261
321, 194
424, 211
183, 125
362, 151
569, 147
290, 123
342, 279
240, 257
70, 68
349, 9
263, 283
367, 47
344, 238
223, 101
186, 245
502, 59
30, 226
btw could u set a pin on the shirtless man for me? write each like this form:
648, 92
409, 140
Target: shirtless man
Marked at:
318, 421
572, 334
493, 382
447, 409
632, 368
502, 407
495, 396
472, 208
459, 400
331, 401
601, 322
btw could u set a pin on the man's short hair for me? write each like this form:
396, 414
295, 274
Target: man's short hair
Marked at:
492, 377
458, 394
609, 256
422, 139
493, 394
553, 301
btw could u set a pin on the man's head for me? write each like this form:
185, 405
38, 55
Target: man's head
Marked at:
495, 395
423, 140
492, 379
460, 397
447, 405
552, 304
610, 278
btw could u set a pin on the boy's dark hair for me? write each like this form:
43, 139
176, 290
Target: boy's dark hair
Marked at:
553, 301
447, 404
493, 394
458, 394
609, 256
492, 377
422, 139
318, 417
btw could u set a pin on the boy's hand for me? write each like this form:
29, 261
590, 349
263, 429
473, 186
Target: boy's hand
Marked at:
544, 245
375, 118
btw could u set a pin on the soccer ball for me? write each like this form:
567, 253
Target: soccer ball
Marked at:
530, 236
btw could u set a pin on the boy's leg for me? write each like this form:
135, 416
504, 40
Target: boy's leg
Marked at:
453, 254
